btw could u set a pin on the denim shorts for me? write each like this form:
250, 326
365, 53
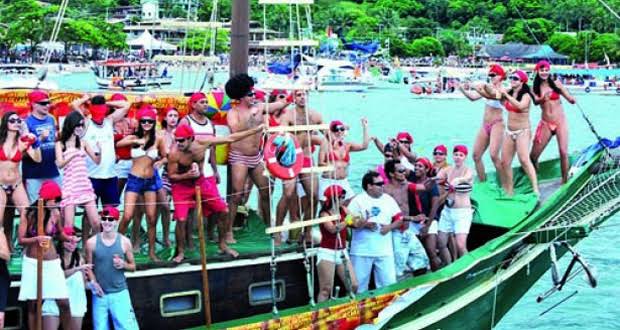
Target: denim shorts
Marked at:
139, 185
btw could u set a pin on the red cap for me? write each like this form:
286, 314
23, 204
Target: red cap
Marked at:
61, 109
197, 97
460, 148
441, 148
332, 192
118, 97
334, 124
427, 163
183, 131
404, 136
542, 64
498, 70
50, 190
522, 76
37, 96
110, 211
98, 112
277, 92
146, 111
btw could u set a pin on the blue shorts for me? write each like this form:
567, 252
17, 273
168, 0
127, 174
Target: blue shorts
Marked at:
106, 190
139, 185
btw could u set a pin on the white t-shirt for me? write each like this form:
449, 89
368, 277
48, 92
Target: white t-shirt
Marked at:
201, 130
103, 134
370, 243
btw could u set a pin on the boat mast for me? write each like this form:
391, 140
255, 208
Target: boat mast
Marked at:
239, 34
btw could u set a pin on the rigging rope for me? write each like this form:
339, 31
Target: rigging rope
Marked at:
59, 17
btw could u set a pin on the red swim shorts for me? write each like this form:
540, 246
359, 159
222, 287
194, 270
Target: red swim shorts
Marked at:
184, 197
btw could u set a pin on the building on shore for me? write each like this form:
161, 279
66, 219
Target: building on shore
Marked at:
521, 53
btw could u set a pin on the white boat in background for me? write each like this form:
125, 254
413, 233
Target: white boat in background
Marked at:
24, 76
121, 75
341, 76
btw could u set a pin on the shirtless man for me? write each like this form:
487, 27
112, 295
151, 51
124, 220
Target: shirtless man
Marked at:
409, 253
185, 170
245, 156
304, 116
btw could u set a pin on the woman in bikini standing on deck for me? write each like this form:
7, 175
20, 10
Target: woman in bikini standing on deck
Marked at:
491, 133
338, 154
12, 149
547, 92
518, 134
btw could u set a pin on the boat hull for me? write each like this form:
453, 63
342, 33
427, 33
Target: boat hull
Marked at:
171, 298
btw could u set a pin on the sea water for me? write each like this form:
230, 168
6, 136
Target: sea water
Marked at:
391, 108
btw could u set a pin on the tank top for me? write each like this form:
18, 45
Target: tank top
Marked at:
202, 130
329, 240
103, 134
110, 279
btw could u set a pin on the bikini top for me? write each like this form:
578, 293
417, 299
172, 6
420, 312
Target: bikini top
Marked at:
495, 104
33, 232
333, 156
554, 96
17, 157
139, 152
463, 187
273, 122
511, 107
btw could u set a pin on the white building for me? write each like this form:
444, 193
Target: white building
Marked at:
150, 10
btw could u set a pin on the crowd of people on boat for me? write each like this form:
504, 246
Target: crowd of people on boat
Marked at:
413, 214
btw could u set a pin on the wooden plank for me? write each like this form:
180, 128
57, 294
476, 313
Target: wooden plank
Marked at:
203, 260
317, 169
301, 224
298, 128
271, 85
305, 170
285, 2
288, 43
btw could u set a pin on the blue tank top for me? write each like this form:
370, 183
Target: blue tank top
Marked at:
109, 278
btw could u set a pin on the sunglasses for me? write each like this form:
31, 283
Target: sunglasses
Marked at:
44, 103
282, 96
180, 140
339, 128
15, 120
107, 218
492, 75
515, 78
438, 153
250, 94
81, 124
401, 170
378, 184
404, 141
147, 121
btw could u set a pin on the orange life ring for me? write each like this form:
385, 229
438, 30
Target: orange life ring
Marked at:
273, 165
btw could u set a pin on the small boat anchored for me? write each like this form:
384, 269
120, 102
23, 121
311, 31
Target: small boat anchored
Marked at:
136, 76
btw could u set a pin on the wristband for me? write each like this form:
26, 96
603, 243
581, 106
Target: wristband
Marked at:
69, 231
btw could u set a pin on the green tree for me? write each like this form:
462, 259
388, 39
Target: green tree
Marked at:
563, 43
27, 22
541, 29
454, 43
200, 39
426, 46
606, 43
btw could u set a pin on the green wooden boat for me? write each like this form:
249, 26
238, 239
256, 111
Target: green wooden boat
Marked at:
511, 244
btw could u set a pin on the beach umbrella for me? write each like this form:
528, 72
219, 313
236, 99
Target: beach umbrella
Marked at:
218, 104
